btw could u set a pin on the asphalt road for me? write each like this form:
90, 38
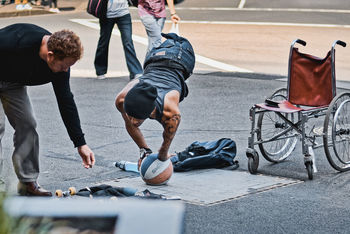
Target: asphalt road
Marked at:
216, 107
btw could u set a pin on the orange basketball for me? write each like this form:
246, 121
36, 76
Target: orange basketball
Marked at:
154, 171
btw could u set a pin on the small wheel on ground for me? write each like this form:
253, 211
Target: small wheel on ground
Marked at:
253, 160
72, 191
310, 171
59, 193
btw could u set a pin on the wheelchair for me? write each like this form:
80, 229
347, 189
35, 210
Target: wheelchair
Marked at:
285, 117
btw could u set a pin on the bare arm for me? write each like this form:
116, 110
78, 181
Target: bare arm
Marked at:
133, 130
171, 120
174, 17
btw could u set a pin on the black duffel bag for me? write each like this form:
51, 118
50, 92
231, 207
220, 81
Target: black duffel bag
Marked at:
210, 154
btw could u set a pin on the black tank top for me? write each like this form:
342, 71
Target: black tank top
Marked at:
165, 79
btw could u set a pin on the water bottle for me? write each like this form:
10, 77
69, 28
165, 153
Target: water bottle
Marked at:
127, 166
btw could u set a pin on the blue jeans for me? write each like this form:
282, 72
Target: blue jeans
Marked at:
174, 50
154, 27
125, 28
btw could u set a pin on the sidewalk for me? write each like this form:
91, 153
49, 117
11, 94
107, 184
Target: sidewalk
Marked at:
9, 10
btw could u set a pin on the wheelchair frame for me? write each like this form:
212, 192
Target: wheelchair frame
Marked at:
287, 122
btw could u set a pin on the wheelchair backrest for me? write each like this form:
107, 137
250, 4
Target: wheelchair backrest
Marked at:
310, 79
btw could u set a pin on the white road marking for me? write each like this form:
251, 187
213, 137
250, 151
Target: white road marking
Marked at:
263, 9
91, 73
262, 23
92, 24
142, 40
241, 4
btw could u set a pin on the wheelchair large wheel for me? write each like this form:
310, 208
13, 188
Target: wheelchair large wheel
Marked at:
271, 125
279, 94
336, 132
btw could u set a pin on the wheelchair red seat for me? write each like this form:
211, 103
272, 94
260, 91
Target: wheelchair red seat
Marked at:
283, 106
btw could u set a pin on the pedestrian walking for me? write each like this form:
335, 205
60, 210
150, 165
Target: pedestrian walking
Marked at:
53, 6
117, 13
153, 15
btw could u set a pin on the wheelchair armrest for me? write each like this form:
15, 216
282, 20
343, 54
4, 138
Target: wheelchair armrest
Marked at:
271, 103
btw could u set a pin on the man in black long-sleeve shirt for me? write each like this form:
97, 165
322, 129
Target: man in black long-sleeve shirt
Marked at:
43, 58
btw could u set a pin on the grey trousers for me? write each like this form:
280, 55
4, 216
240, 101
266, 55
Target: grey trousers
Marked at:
15, 104
154, 27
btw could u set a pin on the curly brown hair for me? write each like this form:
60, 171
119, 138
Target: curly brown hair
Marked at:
65, 44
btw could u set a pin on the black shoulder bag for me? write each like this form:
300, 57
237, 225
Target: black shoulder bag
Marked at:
97, 8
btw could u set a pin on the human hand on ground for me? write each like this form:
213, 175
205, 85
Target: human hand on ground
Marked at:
144, 152
87, 156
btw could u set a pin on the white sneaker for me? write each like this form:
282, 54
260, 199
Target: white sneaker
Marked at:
19, 7
54, 10
101, 77
27, 7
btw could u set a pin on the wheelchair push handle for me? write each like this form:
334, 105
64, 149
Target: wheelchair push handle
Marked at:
299, 41
339, 42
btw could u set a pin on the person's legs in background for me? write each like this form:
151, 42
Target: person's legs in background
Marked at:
101, 56
125, 28
154, 27
22, 5
53, 6
36, 2
19, 5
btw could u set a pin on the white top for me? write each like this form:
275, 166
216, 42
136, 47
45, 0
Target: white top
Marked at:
117, 8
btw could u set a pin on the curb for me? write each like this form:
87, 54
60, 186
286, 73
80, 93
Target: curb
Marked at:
23, 13
64, 7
